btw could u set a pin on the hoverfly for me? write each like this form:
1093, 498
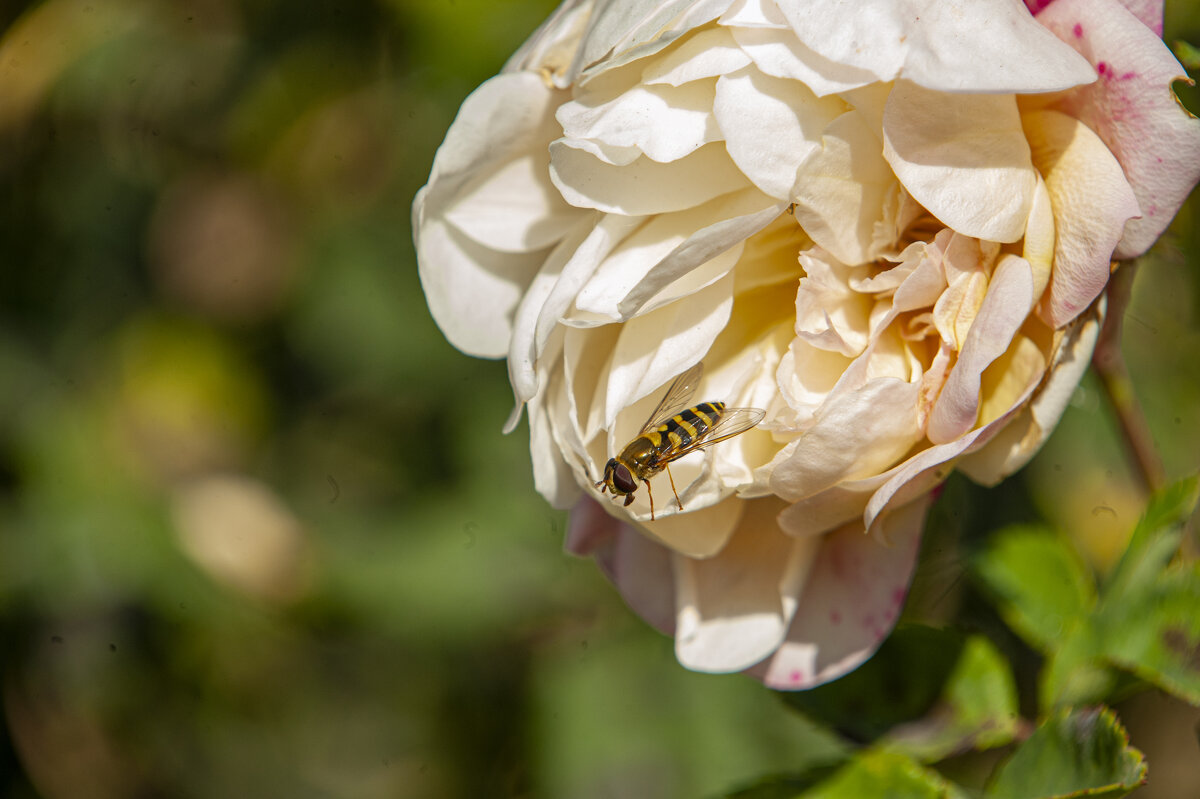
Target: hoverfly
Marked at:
672, 431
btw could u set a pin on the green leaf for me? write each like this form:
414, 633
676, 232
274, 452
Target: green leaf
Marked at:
977, 710
1153, 543
872, 773
1041, 586
899, 684
1075, 753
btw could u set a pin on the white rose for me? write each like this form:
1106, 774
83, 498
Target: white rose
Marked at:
885, 223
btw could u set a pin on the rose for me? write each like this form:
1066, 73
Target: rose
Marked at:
886, 224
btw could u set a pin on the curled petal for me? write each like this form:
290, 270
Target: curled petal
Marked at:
1091, 201
964, 157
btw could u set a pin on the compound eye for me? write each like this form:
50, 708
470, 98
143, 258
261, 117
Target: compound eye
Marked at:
623, 480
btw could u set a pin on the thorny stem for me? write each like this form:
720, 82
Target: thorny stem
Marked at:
1109, 363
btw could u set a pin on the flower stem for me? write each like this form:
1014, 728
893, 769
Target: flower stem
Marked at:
1109, 362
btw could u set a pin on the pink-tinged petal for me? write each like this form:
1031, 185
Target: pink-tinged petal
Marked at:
1133, 109
963, 157
852, 599
734, 608
1150, 12
644, 186
1008, 301
944, 45
640, 569
1017, 443
1091, 201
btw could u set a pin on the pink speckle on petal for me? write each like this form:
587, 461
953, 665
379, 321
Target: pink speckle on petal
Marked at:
796, 675
1129, 76
1102, 67
835, 617
1078, 31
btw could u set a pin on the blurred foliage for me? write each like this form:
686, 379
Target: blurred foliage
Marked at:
259, 532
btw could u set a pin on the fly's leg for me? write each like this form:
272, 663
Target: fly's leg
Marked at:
651, 496
672, 479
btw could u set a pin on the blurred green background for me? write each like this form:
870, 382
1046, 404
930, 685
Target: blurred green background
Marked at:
260, 534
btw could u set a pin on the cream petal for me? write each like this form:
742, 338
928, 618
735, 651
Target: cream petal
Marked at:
551, 48
655, 347
1017, 443
1091, 201
853, 596
664, 123
753, 14
700, 532
673, 255
706, 54
771, 126
828, 314
472, 292
552, 477
963, 157
514, 209
623, 31
780, 54
643, 187
841, 189
938, 43
863, 432
549, 295
1005, 306
731, 608
1133, 109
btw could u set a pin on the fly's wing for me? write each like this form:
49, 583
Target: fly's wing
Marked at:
731, 423
676, 399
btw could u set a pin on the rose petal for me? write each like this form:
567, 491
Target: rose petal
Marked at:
623, 31
841, 189
1091, 201
661, 344
1017, 443
946, 45
963, 157
731, 608
706, 54
643, 187
1007, 303
754, 14
664, 123
771, 126
472, 290
862, 433
1133, 109
640, 569
853, 596
780, 54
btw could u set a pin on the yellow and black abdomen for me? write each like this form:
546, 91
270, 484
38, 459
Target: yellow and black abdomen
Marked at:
682, 429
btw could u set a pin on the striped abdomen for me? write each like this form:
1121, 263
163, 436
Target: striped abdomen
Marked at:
685, 427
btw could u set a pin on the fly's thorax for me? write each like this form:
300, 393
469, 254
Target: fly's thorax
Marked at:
639, 455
